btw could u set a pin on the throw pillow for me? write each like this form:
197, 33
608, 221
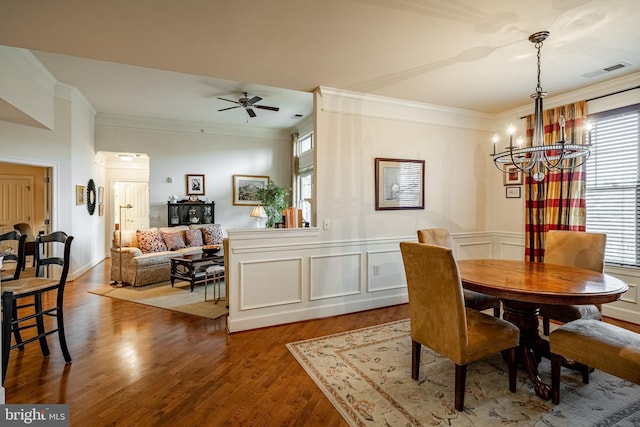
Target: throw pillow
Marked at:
150, 241
173, 240
193, 237
213, 234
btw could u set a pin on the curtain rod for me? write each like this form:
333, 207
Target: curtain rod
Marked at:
604, 96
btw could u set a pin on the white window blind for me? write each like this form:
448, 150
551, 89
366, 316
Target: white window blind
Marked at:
613, 182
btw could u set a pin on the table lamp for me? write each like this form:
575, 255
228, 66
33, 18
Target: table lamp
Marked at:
258, 213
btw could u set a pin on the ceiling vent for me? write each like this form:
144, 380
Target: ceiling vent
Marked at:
605, 70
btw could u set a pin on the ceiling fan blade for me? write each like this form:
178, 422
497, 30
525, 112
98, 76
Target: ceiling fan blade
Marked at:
229, 100
264, 107
254, 100
230, 108
250, 112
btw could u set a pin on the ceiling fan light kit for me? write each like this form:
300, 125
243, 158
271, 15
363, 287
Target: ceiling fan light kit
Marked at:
248, 104
540, 158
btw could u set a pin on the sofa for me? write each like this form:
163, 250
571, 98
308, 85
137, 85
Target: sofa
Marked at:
146, 254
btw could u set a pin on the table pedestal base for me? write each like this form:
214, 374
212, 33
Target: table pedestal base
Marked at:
532, 347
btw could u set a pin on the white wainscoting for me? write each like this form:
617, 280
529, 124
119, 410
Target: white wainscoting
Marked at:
289, 275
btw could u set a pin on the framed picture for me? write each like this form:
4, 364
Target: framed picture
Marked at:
100, 195
245, 189
511, 175
195, 185
79, 195
513, 192
100, 209
399, 184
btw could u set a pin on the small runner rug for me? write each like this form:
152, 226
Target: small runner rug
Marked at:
177, 298
366, 374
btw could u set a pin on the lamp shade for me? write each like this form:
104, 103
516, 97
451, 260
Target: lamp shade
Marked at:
258, 212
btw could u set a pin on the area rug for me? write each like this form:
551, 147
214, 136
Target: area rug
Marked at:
177, 298
366, 374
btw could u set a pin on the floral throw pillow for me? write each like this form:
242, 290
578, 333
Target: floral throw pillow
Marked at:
193, 237
150, 241
173, 240
213, 234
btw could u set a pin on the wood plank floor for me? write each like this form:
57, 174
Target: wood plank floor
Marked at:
135, 365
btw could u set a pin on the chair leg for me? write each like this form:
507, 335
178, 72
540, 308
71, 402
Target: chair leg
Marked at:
61, 335
415, 359
545, 326
461, 380
16, 331
510, 357
556, 363
40, 325
496, 311
7, 319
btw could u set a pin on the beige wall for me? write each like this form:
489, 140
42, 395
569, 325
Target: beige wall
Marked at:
38, 174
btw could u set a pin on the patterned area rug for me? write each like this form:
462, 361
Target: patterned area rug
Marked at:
177, 298
366, 374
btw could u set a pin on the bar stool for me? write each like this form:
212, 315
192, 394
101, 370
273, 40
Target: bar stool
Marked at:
215, 273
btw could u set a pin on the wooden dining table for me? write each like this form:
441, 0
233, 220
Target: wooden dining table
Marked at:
524, 286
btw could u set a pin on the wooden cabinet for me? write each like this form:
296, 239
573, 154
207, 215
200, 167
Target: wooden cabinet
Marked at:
190, 213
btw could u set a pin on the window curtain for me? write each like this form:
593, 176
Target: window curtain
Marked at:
557, 202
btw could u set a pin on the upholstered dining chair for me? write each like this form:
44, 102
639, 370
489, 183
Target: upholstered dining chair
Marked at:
12, 263
17, 291
472, 299
573, 249
30, 245
440, 320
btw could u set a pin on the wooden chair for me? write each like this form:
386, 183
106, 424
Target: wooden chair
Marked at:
573, 249
440, 320
16, 240
474, 300
30, 245
14, 292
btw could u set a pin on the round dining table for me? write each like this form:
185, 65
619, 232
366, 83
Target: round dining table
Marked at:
524, 286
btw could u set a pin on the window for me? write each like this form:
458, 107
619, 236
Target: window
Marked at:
613, 182
304, 177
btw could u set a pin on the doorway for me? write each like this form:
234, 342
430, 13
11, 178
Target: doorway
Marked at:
135, 195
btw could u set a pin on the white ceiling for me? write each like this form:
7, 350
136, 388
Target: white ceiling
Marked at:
166, 59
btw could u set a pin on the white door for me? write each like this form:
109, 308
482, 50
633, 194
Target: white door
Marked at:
16, 201
135, 194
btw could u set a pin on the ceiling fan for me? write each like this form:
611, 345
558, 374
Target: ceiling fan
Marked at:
248, 104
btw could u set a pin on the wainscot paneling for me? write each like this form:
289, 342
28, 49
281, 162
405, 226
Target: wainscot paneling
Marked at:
385, 271
257, 292
290, 275
335, 275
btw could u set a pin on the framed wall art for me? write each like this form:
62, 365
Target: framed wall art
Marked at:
399, 184
513, 192
245, 189
195, 185
511, 175
79, 195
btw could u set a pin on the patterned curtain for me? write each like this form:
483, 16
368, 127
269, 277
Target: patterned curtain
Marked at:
557, 202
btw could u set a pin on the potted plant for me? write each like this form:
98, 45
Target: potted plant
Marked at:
274, 200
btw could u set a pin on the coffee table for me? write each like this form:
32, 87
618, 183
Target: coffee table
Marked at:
192, 268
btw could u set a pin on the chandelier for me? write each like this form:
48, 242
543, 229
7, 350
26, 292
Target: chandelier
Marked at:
540, 158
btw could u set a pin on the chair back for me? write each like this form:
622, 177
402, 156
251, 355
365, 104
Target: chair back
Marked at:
436, 302
16, 240
435, 236
47, 253
575, 249
25, 228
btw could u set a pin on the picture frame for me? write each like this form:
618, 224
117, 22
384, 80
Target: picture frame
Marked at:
80, 189
100, 195
245, 187
100, 209
195, 185
399, 184
511, 175
513, 192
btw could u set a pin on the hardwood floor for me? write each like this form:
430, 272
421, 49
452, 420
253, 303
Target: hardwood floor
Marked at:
135, 365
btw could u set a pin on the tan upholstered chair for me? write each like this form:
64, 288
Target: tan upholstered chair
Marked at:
440, 320
574, 249
472, 299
